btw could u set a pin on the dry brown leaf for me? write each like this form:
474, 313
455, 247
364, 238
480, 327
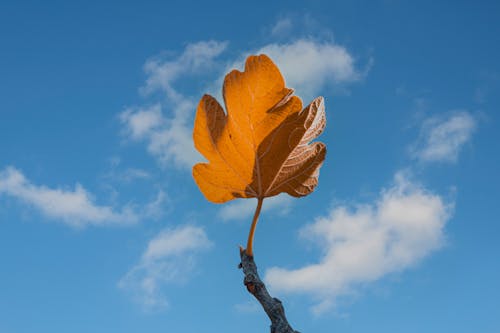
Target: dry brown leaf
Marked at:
261, 146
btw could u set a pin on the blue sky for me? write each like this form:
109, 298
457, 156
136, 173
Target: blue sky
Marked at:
102, 228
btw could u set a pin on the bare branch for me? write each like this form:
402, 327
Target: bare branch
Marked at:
272, 306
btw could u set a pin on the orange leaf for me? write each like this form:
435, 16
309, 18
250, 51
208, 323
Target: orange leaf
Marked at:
261, 146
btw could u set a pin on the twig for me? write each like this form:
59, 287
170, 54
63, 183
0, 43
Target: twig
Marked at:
272, 306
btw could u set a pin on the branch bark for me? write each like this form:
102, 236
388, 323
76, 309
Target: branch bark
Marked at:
272, 306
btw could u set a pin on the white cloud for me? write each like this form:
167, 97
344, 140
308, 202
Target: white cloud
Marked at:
176, 242
170, 258
169, 140
244, 208
174, 143
169, 137
74, 207
441, 139
364, 244
142, 121
308, 66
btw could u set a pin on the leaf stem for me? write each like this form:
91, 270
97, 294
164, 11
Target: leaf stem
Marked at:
249, 249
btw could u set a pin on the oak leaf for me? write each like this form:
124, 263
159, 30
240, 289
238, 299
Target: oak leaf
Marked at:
261, 146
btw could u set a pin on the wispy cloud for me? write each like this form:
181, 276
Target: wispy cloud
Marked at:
156, 208
244, 208
168, 134
169, 258
442, 138
141, 122
282, 27
363, 244
131, 174
124, 175
75, 207
196, 57
168, 140
247, 307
